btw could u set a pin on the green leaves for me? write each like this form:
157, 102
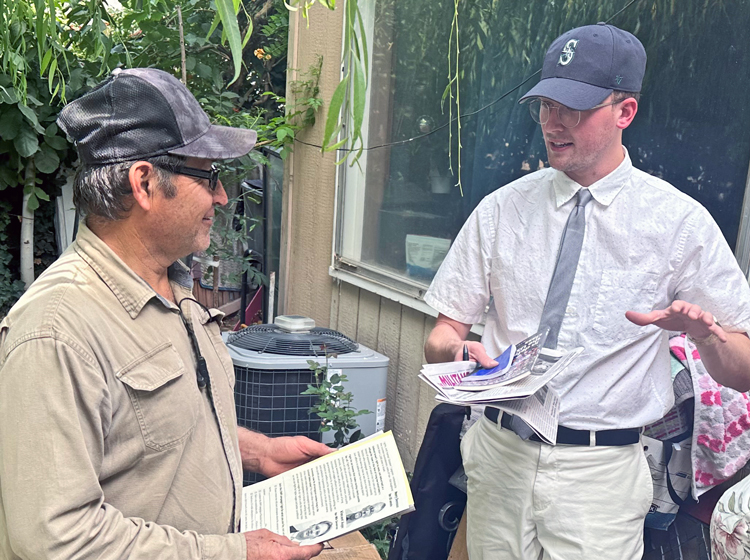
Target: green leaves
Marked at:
227, 11
47, 160
26, 142
334, 405
8, 177
10, 287
24, 137
358, 106
35, 196
349, 98
8, 95
333, 127
292, 5
283, 132
56, 142
53, 48
10, 122
30, 117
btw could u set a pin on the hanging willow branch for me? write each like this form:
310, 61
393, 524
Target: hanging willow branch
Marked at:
454, 77
348, 101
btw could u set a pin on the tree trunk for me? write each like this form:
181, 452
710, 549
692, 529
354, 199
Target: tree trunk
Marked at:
182, 45
27, 227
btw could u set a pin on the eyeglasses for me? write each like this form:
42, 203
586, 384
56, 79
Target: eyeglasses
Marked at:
569, 118
211, 174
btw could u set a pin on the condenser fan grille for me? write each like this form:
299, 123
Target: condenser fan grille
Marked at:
272, 340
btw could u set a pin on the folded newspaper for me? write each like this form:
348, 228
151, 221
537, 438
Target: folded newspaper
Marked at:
524, 357
351, 488
528, 397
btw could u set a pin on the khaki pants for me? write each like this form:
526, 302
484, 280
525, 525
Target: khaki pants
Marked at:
530, 501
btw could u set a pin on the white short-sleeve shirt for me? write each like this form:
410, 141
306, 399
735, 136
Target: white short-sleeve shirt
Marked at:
646, 245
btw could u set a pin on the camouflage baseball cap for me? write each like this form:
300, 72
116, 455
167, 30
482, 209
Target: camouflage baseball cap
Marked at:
145, 112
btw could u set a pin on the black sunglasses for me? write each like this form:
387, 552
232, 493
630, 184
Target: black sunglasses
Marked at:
211, 174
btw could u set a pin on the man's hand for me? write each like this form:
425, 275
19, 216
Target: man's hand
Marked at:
726, 356
265, 545
446, 343
285, 453
272, 456
477, 353
681, 316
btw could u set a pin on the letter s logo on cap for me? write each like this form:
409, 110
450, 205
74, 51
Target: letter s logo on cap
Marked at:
569, 50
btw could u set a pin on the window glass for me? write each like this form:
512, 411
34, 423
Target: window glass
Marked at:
691, 129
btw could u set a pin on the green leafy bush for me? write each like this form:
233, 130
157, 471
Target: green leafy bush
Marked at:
11, 287
334, 405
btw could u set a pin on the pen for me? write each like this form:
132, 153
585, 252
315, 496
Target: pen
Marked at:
466, 353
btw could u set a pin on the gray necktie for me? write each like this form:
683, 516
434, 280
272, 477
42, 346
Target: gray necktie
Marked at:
560, 286
565, 269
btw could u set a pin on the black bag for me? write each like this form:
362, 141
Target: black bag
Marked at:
427, 533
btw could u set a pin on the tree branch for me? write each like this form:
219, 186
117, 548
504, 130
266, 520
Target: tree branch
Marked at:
262, 12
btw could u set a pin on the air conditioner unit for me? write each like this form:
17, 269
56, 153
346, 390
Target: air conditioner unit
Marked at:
271, 369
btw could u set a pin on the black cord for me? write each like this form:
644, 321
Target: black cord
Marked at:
438, 129
455, 119
202, 368
620, 11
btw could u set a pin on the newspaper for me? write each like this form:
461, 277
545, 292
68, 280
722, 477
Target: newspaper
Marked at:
444, 377
529, 398
353, 487
540, 411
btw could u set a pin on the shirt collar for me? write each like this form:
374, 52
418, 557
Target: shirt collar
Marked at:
603, 191
132, 291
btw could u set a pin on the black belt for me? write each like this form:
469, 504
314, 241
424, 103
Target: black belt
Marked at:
568, 436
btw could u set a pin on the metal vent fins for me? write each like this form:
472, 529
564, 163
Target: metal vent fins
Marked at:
270, 339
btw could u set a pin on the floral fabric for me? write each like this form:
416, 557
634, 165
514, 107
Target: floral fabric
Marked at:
721, 434
729, 524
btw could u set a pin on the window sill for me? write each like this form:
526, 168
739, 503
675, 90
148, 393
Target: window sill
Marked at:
390, 292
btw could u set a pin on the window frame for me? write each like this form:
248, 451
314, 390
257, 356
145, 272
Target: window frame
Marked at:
349, 212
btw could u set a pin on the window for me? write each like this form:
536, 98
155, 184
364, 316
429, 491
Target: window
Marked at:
399, 209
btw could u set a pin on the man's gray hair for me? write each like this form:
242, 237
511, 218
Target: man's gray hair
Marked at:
104, 192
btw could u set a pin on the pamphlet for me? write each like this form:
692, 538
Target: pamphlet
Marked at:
504, 362
351, 488
525, 356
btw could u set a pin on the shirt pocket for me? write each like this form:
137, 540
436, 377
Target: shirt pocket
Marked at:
621, 291
165, 400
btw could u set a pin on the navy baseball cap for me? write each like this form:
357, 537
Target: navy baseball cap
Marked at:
585, 65
145, 112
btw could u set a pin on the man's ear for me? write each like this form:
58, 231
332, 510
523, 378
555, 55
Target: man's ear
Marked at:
143, 183
628, 108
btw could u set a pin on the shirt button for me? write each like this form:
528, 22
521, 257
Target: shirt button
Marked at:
570, 310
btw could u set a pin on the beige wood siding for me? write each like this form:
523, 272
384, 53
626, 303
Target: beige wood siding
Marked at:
384, 325
309, 175
399, 333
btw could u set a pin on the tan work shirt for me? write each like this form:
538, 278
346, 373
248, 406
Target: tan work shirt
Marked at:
108, 447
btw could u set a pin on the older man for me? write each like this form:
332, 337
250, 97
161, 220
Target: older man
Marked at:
118, 435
